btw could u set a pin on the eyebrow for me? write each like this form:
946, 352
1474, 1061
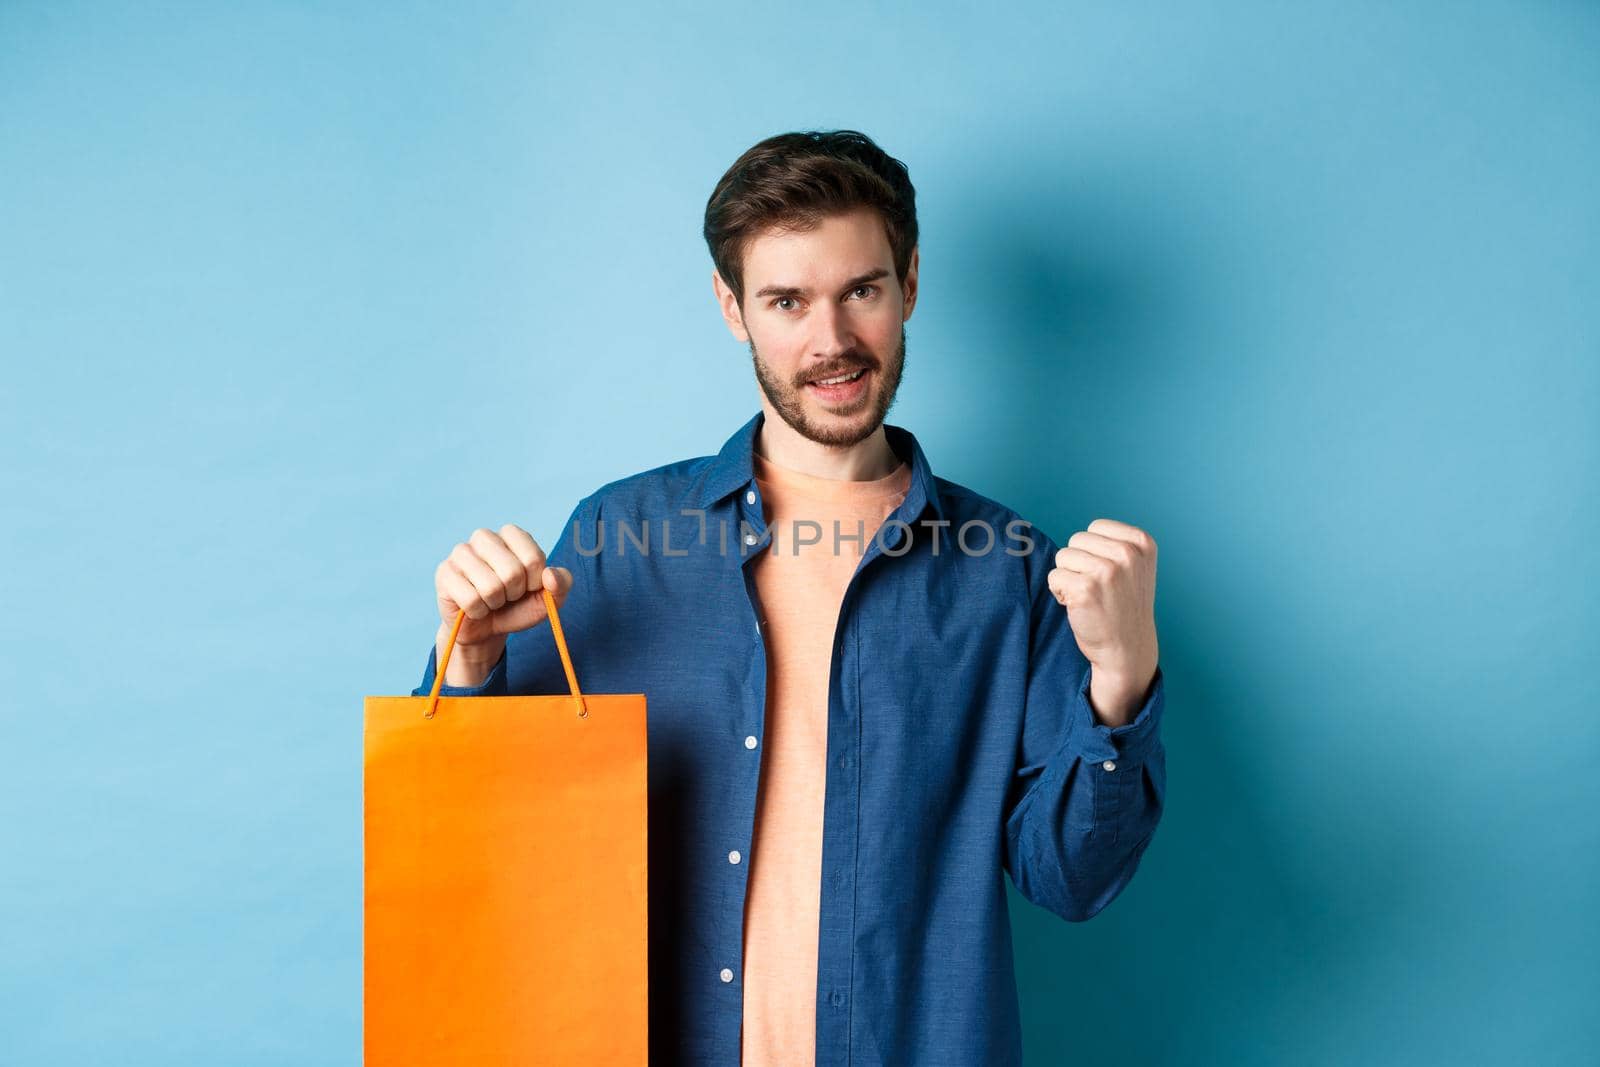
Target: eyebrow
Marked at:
795, 290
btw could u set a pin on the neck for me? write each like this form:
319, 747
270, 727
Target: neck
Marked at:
867, 460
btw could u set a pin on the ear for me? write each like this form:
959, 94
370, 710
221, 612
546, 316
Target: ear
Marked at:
910, 286
730, 308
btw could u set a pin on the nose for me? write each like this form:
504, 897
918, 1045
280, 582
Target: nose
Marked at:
835, 336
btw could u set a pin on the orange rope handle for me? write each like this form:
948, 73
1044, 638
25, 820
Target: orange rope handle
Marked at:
438, 675
561, 647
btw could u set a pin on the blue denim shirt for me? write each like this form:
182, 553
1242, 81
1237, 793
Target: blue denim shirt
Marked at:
961, 744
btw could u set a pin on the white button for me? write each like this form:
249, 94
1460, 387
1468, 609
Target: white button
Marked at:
749, 539
727, 975
750, 497
1108, 765
750, 742
733, 857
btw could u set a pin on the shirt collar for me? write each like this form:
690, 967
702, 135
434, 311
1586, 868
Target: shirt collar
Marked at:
731, 469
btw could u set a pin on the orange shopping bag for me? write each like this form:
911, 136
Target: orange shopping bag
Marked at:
505, 873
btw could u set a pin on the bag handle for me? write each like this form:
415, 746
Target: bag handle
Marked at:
561, 647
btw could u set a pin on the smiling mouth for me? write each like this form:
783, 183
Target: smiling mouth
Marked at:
840, 379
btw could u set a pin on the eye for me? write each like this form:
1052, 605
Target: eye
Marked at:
780, 300
868, 288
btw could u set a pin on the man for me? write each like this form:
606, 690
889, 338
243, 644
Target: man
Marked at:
871, 690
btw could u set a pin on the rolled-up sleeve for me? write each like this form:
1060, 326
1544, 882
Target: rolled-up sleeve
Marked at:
1085, 798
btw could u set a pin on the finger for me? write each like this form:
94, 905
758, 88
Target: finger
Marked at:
488, 584
1112, 548
527, 551
493, 551
530, 610
460, 591
1060, 582
1122, 531
559, 581
522, 614
1076, 559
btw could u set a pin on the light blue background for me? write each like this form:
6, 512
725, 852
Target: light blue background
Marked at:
291, 299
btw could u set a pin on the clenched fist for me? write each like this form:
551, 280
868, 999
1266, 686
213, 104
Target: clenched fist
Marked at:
1106, 579
490, 576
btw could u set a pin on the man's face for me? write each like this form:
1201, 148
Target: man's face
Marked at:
824, 304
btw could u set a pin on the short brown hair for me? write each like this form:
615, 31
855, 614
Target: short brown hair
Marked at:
794, 180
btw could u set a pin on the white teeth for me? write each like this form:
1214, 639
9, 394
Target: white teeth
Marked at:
845, 378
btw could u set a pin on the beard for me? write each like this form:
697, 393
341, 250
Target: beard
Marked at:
837, 431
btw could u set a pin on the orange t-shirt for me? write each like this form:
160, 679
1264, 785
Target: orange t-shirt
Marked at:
801, 587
